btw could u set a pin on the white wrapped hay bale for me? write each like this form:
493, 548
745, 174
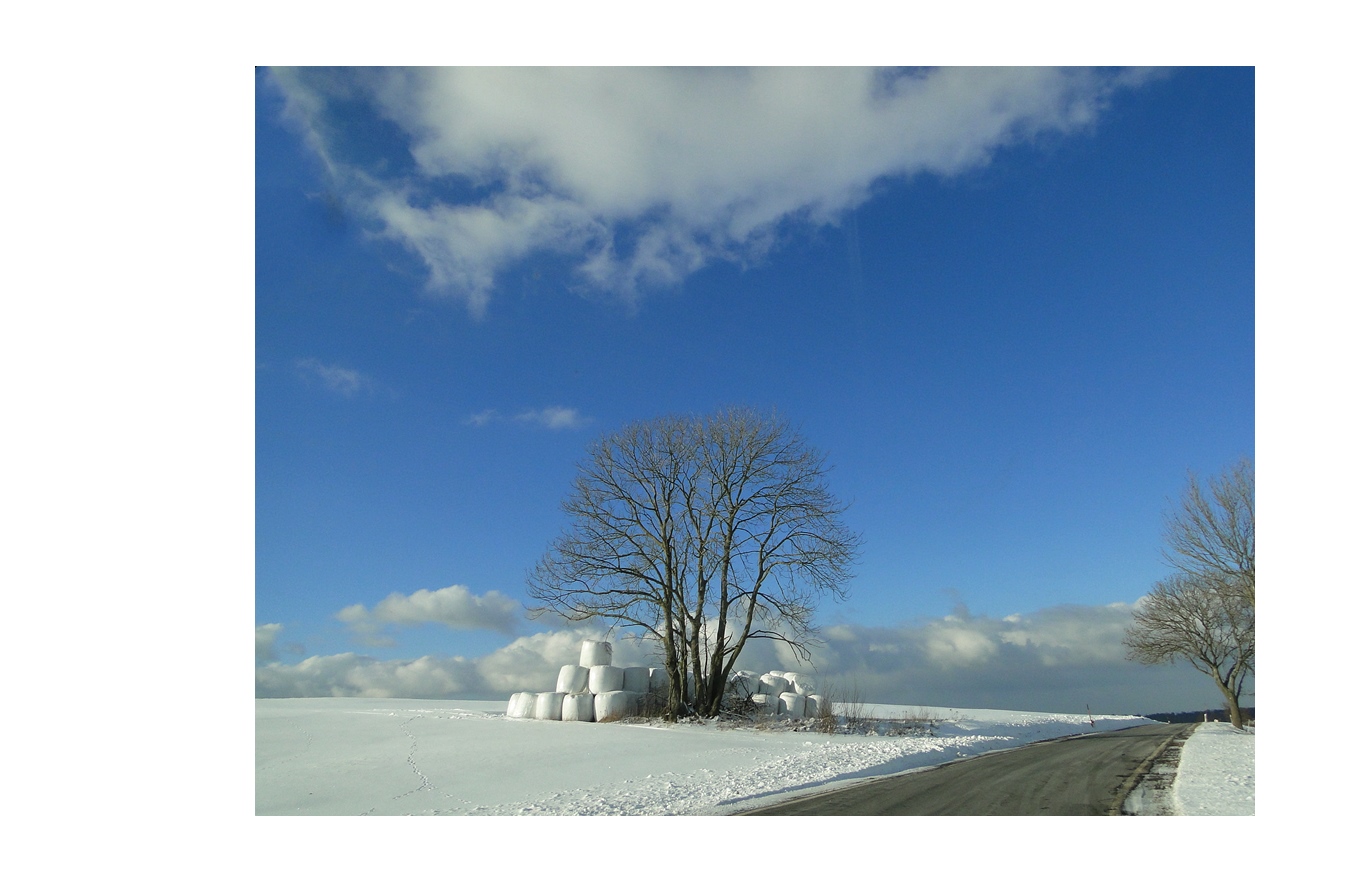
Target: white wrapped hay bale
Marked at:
577, 708
767, 705
793, 705
658, 681
611, 706
814, 706
744, 683
636, 680
772, 685
573, 678
549, 705
799, 684
606, 678
522, 705
593, 653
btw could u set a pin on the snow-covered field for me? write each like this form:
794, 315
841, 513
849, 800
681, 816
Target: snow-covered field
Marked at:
364, 756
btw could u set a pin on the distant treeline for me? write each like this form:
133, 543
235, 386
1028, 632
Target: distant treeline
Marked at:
1220, 716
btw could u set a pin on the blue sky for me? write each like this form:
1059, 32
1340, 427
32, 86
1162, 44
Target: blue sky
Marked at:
1014, 307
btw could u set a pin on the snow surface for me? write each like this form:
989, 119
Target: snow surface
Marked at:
1217, 772
369, 756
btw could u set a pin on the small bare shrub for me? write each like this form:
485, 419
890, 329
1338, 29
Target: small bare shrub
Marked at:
735, 707
826, 716
921, 722
849, 704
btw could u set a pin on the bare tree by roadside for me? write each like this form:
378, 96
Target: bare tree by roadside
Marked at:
1205, 612
701, 533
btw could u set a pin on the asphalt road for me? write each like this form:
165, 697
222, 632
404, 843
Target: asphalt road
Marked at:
1087, 775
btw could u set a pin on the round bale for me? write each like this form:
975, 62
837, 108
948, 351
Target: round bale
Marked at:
605, 678
523, 705
573, 678
549, 705
767, 705
745, 683
793, 705
611, 706
577, 707
595, 652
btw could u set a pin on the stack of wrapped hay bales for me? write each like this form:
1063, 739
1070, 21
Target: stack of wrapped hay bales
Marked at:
777, 694
594, 690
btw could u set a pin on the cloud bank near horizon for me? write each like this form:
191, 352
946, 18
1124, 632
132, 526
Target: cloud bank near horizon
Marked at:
638, 177
1063, 659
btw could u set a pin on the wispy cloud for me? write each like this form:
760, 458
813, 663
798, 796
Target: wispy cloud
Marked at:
555, 418
343, 381
484, 418
640, 176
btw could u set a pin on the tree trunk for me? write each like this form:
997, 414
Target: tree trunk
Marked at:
1231, 698
670, 664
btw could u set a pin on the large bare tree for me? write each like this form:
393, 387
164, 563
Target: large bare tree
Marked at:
1205, 612
1212, 627
702, 533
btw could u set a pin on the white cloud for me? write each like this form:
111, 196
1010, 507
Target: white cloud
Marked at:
525, 664
341, 380
266, 642
641, 176
952, 645
532, 663
453, 607
1071, 634
352, 676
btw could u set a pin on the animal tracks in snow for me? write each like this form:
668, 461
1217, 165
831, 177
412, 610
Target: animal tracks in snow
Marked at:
425, 783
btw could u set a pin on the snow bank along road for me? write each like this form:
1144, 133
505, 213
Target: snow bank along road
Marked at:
1217, 772
1084, 775
370, 756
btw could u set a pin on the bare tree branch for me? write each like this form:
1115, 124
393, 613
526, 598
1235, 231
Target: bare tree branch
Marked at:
1214, 530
